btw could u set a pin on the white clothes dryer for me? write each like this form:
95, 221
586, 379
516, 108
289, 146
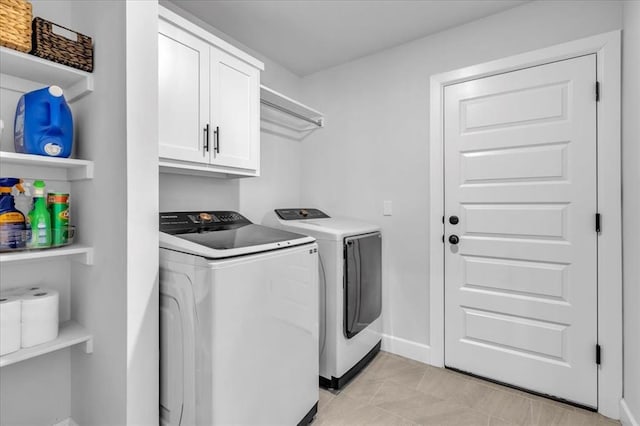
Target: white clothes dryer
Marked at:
238, 322
350, 286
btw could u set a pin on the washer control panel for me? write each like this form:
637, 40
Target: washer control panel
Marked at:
300, 214
184, 222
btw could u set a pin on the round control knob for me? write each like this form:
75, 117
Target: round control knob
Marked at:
205, 217
454, 220
453, 239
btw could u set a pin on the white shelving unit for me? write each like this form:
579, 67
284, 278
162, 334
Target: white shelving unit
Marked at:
70, 333
80, 253
284, 116
20, 71
41, 167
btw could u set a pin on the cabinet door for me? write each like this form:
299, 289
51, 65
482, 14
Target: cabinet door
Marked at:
183, 71
235, 106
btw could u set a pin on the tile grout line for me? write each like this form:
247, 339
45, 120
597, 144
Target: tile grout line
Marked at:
395, 414
376, 393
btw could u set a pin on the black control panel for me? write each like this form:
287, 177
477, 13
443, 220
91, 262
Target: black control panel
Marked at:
298, 214
192, 222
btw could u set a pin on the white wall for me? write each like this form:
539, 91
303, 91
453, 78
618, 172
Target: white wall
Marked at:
631, 203
143, 328
279, 181
375, 145
99, 302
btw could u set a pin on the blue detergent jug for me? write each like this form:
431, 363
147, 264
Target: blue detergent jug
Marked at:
43, 123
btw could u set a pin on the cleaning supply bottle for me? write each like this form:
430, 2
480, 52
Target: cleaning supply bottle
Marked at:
40, 218
43, 124
12, 221
24, 201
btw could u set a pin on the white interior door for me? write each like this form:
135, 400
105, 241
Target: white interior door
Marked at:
235, 107
520, 174
183, 96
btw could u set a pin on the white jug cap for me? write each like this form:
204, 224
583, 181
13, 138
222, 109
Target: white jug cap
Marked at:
55, 91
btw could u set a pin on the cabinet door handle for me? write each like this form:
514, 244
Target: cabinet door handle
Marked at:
205, 145
217, 146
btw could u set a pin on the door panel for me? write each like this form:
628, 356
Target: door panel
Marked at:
235, 111
514, 333
535, 221
528, 106
532, 279
183, 72
515, 164
520, 173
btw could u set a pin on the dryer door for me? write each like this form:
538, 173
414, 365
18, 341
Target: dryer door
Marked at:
363, 282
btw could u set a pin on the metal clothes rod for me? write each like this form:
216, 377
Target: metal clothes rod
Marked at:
295, 114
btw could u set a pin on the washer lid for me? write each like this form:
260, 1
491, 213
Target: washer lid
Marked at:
221, 234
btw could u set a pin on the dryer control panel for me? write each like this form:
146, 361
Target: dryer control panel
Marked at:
300, 214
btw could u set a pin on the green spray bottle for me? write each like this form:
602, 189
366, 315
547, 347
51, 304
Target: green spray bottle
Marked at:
40, 218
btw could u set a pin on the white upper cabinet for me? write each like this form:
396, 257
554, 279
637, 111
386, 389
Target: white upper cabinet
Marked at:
209, 102
235, 111
183, 76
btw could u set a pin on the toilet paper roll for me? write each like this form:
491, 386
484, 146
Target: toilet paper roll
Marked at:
10, 317
39, 317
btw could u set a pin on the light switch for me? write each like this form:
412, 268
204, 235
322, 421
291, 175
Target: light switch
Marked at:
387, 208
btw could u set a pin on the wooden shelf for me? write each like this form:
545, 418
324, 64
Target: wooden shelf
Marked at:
284, 116
76, 252
27, 72
70, 333
42, 167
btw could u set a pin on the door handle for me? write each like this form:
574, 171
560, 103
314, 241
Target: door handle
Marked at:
454, 220
453, 239
217, 146
205, 144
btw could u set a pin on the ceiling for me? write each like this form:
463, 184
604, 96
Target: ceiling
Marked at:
306, 36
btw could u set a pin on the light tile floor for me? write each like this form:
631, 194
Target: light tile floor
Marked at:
393, 390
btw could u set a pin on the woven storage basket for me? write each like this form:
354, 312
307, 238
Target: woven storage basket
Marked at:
75, 52
15, 24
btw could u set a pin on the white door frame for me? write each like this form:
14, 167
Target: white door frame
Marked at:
607, 49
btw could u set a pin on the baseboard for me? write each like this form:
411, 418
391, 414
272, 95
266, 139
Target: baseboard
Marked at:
407, 348
626, 416
66, 422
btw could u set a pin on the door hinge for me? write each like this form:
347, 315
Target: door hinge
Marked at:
597, 91
598, 355
597, 222
442, 238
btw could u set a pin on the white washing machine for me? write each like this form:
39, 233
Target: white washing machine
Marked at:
238, 322
350, 287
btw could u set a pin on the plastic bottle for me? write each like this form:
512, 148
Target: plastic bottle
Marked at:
24, 201
43, 124
40, 218
12, 221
